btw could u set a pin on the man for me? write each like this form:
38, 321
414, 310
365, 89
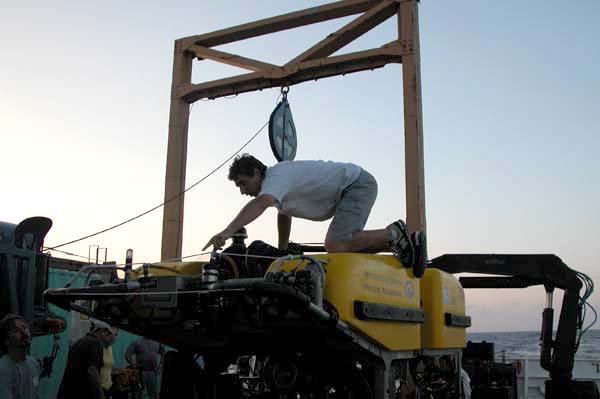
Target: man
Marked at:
147, 353
82, 373
107, 363
19, 373
319, 190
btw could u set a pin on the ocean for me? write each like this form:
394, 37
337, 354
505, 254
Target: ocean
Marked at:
526, 344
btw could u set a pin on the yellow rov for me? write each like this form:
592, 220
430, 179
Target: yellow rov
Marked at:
273, 325
327, 326
412, 314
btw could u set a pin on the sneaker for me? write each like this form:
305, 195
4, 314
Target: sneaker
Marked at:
419, 242
400, 245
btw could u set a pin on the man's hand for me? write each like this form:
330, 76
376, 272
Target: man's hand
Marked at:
249, 213
218, 240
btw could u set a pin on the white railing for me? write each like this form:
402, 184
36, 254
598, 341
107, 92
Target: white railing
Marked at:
531, 376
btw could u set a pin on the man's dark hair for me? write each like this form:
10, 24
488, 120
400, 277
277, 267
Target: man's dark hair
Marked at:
244, 165
6, 324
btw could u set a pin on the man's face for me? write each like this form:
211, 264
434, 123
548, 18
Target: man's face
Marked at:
249, 185
19, 336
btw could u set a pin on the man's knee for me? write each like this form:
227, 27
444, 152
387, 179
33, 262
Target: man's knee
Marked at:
351, 245
336, 246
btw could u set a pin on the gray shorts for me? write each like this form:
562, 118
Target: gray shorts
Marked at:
353, 209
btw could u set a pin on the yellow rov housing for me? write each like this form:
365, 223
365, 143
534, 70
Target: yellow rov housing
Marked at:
443, 301
374, 294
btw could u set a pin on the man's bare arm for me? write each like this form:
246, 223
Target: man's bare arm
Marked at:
248, 214
284, 226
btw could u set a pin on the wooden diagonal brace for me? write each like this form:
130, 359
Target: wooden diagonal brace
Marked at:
305, 17
349, 32
232, 59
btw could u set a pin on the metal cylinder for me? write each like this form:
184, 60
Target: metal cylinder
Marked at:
210, 274
128, 263
317, 283
549, 296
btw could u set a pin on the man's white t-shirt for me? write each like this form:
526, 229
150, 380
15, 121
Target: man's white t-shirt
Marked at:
308, 189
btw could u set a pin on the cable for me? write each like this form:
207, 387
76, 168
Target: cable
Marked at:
583, 303
190, 256
595, 318
167, 201
120, 266
71, 254
113, 294
251, 256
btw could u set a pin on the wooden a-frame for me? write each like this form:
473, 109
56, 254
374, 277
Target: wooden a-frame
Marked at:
314, 63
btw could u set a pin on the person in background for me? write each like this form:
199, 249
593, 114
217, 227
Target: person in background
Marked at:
107, 364
147, 353
85, 360
19, 372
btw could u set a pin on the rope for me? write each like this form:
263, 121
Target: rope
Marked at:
165, 202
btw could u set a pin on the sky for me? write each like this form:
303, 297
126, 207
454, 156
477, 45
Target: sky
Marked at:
511, 93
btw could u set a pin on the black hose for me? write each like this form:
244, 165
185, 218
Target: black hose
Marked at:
260, 286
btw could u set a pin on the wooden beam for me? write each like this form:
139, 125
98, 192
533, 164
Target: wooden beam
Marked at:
291, 20
308, 70
231, 59
349, 32
172, 233
391, 51
408, 31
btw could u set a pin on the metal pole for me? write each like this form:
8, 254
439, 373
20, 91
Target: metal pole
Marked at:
128, 264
